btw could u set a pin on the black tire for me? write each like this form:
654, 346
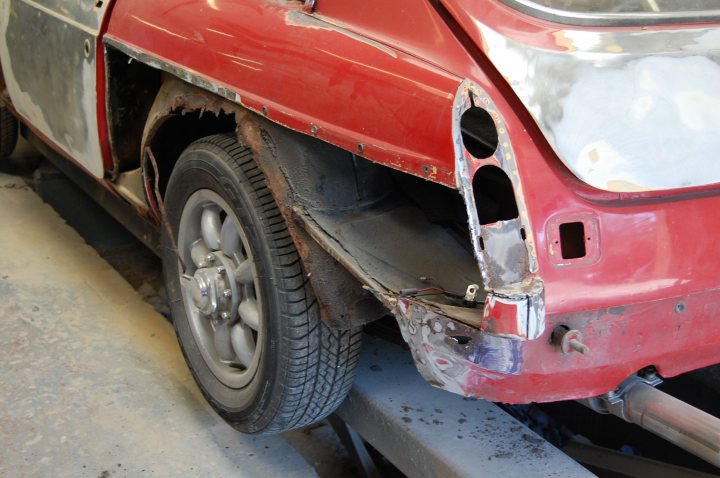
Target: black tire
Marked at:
305, 368
8, 132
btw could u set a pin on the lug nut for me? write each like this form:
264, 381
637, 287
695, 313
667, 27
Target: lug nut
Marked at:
224, 316
227, 293
210, 258
220, 270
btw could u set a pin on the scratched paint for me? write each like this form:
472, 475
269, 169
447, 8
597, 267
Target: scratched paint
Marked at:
295, 18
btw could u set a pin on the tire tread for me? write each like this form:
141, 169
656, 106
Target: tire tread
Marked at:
318, 362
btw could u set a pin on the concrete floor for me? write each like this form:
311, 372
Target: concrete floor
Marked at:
93, 383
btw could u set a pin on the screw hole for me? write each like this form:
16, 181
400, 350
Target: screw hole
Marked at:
461, 339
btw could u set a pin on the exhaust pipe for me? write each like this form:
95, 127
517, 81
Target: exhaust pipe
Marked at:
638, 401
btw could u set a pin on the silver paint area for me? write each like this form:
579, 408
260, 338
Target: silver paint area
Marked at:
626, 111
50, 78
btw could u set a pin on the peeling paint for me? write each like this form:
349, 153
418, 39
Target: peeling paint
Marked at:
302, 19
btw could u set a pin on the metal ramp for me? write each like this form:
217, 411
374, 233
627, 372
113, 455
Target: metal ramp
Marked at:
427, 432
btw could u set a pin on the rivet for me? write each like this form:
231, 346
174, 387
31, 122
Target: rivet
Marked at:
265, 110
361, 148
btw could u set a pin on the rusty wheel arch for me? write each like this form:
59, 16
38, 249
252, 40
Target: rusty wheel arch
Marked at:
343, 301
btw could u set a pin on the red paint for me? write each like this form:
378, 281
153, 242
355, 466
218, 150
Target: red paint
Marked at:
395, 97
101, 90
621, 341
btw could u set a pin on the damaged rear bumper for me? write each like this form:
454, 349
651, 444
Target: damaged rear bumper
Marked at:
674, 335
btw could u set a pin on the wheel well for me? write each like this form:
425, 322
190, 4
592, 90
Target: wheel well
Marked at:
180, 130
131, 89
313, 181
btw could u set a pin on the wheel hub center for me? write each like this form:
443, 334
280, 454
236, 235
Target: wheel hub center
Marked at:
211, 289
203, 288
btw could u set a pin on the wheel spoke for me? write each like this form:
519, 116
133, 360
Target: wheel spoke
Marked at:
223, 342
244, 272
249, 313
199, 253
210, 227
229, 238
243, 343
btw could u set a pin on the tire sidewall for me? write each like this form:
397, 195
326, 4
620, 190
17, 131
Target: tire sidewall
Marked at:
207, 166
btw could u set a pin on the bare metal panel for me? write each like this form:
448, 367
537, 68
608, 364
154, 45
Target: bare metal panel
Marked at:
48, 58
625, 111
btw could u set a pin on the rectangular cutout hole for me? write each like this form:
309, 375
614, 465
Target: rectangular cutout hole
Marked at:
572, 240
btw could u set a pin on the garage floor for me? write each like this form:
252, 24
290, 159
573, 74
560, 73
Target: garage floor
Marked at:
93, 383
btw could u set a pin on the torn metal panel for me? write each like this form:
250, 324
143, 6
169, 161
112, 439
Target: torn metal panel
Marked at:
183, 74
49, 64
452, 355
505, 250
470, 94
176, 97
131, 89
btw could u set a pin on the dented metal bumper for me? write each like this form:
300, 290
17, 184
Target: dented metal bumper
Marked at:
674, 335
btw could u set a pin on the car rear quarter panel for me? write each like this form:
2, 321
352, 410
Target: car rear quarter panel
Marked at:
306, 73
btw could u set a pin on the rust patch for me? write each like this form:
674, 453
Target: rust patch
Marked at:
342, 300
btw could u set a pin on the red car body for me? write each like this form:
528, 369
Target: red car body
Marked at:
390, 83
